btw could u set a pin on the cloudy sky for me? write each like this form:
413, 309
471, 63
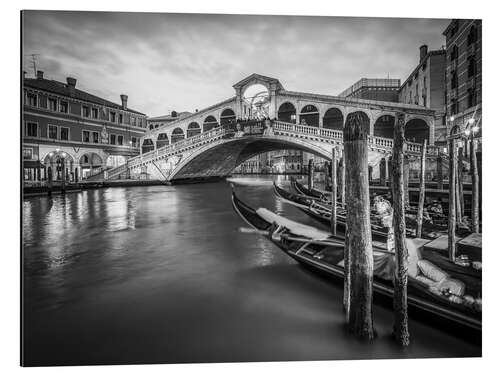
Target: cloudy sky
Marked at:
185, 62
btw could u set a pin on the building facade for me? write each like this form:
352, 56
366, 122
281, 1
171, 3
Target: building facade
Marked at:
463, 73
426, 86
382, 89
73, 134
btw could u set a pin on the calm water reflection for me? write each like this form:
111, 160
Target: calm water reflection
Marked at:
163, 274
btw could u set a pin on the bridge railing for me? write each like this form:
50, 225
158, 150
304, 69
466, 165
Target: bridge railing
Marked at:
282, 126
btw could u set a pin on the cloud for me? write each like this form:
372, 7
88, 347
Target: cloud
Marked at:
188, 61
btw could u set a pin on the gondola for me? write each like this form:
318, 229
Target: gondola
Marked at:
430, 229
439, 220
323, 254
321, 211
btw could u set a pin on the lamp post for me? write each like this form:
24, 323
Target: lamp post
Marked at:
470, 132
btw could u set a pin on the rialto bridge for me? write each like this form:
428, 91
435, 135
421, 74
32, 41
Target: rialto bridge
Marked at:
261, 117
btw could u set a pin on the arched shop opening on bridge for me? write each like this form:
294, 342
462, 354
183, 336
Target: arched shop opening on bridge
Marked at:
162, 140
177, 135
209, 123
55, 162
90, 163
287, 113
333, 119
384, 126
193, 129
309, 116
416, 130
227, 117
147, 145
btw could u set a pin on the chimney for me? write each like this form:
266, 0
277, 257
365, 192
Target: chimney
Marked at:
39, 74
173, 114
71, 83
124, 99
423, 52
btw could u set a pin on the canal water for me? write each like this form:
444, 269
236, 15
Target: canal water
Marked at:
165, 274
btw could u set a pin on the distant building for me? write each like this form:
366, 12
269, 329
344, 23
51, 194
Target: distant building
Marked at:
287, 161
426, 86
156, 122
68, 129
463, 73
282, 161
382, 89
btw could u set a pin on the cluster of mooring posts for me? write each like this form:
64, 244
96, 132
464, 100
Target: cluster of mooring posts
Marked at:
349, 181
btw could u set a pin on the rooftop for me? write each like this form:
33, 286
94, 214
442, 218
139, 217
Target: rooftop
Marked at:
371, 82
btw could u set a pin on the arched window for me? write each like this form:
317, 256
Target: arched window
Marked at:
162, 140
227, 117
333, 119
209, 123
309, 116
287, 113
177, 135
193, 129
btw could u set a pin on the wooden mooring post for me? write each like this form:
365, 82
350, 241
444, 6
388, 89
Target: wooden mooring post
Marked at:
342, 180
452, 206
439, 171
406, 179
475, 187
333, 220
401, 332
310, 174
421, 195
359, 253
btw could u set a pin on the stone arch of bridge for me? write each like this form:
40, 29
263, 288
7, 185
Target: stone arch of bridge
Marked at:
221, 157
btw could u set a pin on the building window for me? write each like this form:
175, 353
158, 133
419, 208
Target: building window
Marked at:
471, 67
53, 104
454, 106
472, 36
471, 97
112, 116
120, 140
27, 153
95, 113
32, 100
120, 118
454, 79
112, 139
64, 134
151, 126
454, 53
63, 107
52, 132
134, 142
132, 120
86, 136
31, 129
95, 137
85, 111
